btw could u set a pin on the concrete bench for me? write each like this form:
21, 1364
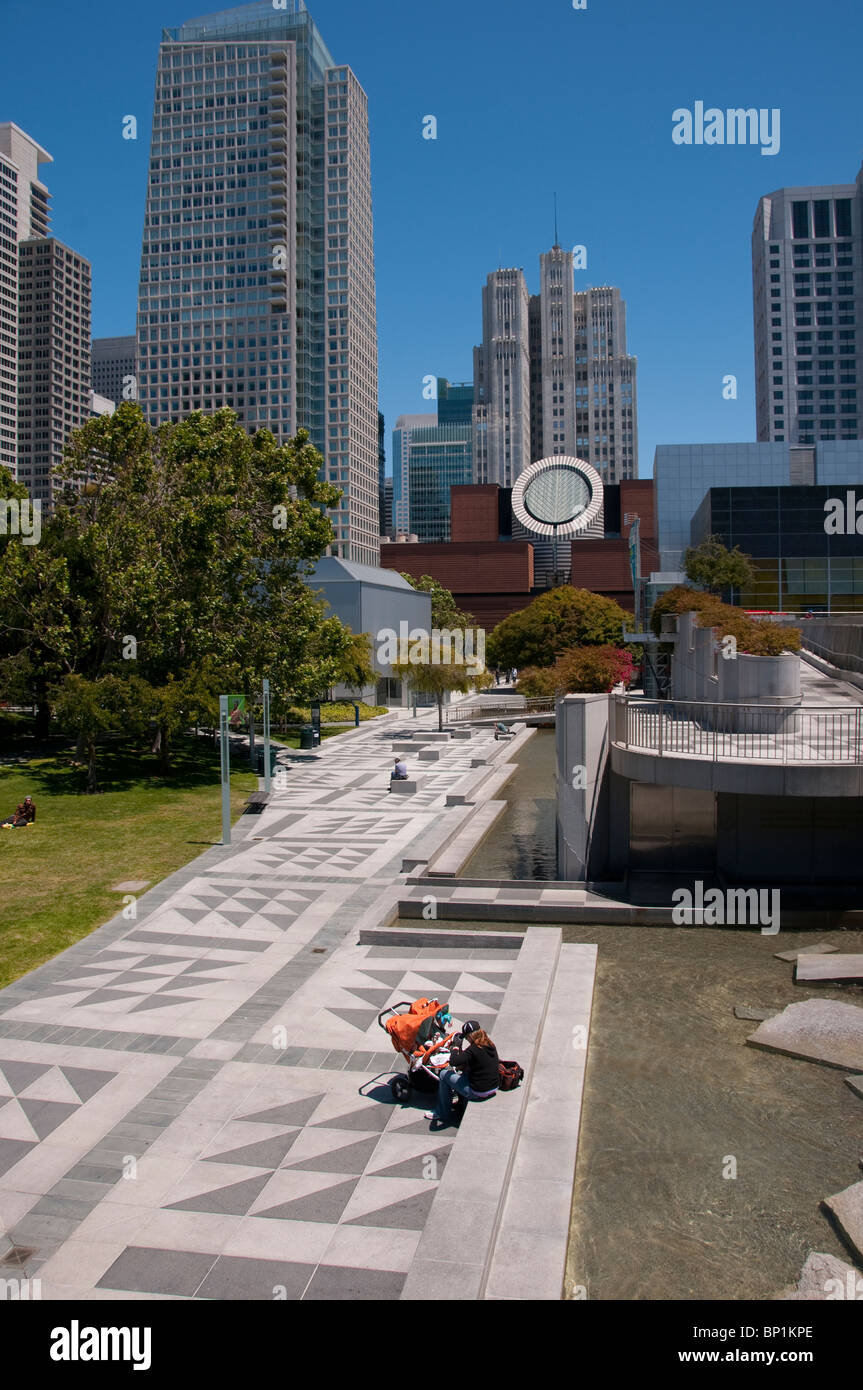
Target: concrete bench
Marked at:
462, 733
403, 785
256, 801
503, 733
435, 736
429, 755
405, 746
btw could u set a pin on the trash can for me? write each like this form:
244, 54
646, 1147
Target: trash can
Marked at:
307, 736
260, 753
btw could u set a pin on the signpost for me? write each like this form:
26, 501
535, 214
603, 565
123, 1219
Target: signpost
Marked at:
225, 750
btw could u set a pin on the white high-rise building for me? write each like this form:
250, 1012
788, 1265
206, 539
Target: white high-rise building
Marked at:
807, 280
552, 376
257, 273
23, 214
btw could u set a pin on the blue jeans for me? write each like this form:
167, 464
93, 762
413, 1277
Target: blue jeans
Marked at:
450, 1080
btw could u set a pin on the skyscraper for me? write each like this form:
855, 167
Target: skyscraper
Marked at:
23, 214
807, 280
54, 392
257, 282
553, 376
501, 378
113, 362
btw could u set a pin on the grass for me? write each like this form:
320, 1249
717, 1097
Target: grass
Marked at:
57, 874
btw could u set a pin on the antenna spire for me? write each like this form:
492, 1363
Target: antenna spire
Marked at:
556, 242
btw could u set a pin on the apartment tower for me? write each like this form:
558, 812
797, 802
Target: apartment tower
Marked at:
257, 282
807, 281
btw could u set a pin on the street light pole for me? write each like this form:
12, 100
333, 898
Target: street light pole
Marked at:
266, 688
225, 750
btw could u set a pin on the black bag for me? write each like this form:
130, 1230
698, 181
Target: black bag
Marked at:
511, 1075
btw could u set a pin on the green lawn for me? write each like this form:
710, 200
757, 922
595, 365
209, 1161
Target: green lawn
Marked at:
56, 876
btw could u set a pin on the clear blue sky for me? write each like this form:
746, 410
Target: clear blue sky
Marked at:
530, 99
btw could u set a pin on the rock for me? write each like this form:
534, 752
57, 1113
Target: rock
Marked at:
847, 1211
757, 1015
821, 967
822, 949
818, 1030
825, 1278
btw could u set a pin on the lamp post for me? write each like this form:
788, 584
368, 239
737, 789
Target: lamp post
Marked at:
266, 698
225, 750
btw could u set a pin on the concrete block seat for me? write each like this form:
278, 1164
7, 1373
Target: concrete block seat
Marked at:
403, 785
461, 733
429, 755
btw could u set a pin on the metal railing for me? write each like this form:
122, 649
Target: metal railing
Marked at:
755, 733
488, 709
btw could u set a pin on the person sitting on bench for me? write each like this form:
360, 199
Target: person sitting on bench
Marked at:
501, 730
400, 771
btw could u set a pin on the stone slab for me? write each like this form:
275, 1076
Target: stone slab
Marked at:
846, 1209
825, 1278
403, 786
429, 755
817, 1030
824, 967
823, 948
856, 1084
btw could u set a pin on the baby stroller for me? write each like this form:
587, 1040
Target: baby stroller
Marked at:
420, 1032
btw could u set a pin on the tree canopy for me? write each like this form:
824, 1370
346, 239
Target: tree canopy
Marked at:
178, 556
555, 622
716, 568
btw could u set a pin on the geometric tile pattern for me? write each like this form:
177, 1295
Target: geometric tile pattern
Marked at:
261, 1173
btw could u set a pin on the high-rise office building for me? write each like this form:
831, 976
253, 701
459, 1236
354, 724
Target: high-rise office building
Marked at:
501, 377
257, 272
23, 214
54, 392
807, 279
113, 362
553, 376
454, 402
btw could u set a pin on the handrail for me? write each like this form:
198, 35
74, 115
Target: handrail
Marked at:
723, 731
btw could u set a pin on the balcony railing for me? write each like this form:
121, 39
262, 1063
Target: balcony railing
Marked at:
499, 709
729, 732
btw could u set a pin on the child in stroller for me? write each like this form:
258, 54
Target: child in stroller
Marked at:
420, 1031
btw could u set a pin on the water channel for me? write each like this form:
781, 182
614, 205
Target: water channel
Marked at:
672, 1093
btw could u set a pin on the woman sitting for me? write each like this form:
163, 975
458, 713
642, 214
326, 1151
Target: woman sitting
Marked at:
473, 1073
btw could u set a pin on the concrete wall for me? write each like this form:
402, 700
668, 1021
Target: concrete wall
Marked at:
699, 671
581, 734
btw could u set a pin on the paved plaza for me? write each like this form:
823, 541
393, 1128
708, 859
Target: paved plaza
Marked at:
195, 1104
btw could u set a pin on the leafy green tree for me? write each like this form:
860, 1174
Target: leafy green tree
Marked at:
716, 568
437, 679
589, 670
357, 669
445, 613
757, 637
556, 621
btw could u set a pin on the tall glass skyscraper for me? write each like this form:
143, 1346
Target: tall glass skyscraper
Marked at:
257, 282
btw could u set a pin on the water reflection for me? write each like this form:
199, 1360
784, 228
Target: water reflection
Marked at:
522, 843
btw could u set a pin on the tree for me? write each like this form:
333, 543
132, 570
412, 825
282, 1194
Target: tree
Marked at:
437, 679
555, 622
589, 670
715, 567
356, 668
757, 637
445, 612
183, 559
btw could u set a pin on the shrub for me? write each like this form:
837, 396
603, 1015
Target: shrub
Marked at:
581, 670
757, 637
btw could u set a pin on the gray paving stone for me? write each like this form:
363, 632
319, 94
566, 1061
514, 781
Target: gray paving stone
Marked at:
141, 1270
234, 1278
333, 1282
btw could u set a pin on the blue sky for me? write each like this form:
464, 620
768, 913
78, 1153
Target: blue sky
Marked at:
529, 100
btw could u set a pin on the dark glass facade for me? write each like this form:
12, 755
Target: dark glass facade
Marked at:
798, 564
